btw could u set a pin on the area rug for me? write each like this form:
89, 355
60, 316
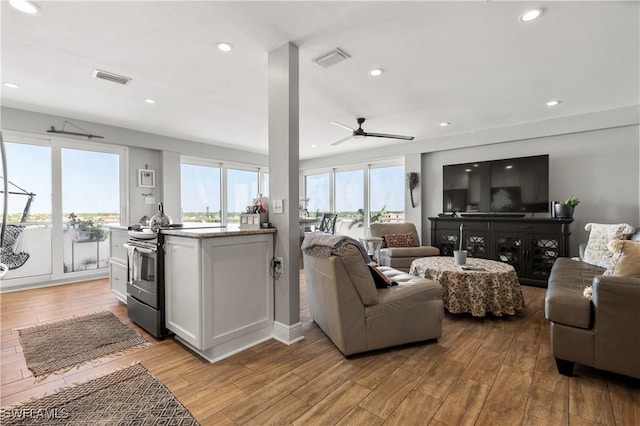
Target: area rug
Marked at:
61, 345
131, 396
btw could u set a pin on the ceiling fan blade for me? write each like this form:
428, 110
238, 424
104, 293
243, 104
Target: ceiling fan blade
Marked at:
342, 140
384, 135
344, 126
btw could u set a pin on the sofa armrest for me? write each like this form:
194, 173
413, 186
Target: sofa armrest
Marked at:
617, 324
581, 249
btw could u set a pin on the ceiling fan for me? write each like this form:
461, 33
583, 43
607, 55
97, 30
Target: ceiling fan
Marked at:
359, 133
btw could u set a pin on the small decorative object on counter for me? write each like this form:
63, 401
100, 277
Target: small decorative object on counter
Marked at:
460, 255
159, 219
256, 214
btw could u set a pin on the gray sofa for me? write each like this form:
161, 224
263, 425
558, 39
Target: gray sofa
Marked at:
603, 333
357, 316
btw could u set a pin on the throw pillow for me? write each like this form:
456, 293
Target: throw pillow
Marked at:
626, 258
399, 240
596, 253
380, 279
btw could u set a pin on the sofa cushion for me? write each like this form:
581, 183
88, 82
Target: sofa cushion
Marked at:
410, 291
564, 302
626, 258
399, 240
596, 253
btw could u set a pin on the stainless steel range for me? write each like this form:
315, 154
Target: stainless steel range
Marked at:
145, 284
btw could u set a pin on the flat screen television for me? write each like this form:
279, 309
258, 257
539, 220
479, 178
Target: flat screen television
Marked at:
512, 185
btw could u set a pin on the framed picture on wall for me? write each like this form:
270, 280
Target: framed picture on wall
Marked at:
146, 178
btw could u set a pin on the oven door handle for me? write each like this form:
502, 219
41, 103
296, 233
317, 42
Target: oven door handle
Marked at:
140, 249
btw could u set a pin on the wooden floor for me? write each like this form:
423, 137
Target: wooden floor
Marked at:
491, 371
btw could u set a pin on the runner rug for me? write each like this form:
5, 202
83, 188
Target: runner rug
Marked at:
131, 396
62, 345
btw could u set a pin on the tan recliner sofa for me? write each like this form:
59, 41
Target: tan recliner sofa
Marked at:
359, 317
603, 333
400, 257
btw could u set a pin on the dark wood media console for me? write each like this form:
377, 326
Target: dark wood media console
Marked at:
530, 245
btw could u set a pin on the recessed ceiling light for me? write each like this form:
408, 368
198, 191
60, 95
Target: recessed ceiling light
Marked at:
25, 6
467, 170
150, 101
225, 47
530, 15
553, 103
444, 124
376, 72
313, 145
508, 167
11, 85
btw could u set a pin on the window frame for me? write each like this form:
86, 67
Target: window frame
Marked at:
366, 167
224, 167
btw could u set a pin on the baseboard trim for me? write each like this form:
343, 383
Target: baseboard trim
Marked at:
287, 334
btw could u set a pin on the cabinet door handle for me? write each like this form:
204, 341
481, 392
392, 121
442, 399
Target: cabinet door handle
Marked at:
526, 227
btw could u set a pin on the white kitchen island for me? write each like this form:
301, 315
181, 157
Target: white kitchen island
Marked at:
219, 288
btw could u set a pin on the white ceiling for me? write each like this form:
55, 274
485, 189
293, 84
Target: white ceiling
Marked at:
473, 64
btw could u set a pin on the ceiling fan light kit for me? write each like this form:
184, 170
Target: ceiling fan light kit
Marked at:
360, 133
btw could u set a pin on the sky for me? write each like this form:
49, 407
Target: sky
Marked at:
90, 180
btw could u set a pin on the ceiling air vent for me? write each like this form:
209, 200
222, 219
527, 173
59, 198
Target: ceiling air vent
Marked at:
330, 59
109, 76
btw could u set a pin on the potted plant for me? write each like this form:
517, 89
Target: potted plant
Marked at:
460, 255
86, 230
565, 210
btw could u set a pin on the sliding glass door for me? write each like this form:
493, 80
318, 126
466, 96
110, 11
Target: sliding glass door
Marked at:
63, 195
27, 244
90, 202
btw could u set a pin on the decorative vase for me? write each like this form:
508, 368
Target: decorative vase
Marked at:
563, 210
460, 257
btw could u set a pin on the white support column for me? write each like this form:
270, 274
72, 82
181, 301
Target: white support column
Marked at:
284, 170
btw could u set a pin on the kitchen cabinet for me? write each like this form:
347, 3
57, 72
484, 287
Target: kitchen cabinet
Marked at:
118, 263
219, 289
530, 245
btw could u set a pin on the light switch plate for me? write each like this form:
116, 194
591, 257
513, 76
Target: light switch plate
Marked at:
278, 206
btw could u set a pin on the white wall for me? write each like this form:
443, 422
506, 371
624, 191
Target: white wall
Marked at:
601, 168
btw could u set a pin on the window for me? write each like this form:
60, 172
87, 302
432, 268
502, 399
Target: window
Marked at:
213, 192
201, 200
349, 202
386, 197
361, 196
90, 200
242, 189
317, 190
